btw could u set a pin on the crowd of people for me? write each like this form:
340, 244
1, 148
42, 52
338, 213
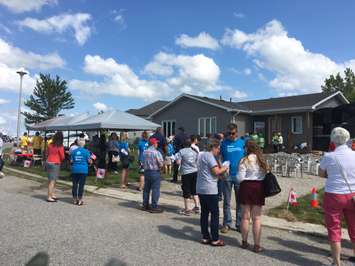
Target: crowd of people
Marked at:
209, 173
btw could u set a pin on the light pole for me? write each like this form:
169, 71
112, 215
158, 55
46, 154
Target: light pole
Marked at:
21, 72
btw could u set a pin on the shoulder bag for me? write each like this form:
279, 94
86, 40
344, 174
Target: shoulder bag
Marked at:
271, 186
344, 175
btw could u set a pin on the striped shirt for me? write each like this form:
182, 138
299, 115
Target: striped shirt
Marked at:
153, 160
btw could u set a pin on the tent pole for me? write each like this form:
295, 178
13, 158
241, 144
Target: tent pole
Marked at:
68, 138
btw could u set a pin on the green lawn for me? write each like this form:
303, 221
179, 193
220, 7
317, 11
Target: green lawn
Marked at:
111, 180
303, 212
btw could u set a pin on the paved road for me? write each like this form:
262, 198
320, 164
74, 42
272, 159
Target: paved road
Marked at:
106, 228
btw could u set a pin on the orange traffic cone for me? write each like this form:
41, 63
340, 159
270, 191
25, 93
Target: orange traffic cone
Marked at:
314, 199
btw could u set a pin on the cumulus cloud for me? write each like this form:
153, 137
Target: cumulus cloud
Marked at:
12, 58
100, 106
118, 79
203, 40
16, 57
185, 72
20, 6
169, 74
78, 23
296, 69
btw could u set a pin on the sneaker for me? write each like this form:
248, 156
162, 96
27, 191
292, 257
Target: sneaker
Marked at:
196, 210
145, 208
115, 172
185, 212
156, 210
2, 174
225, 229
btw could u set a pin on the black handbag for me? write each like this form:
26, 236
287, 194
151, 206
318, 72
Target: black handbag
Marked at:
271, 186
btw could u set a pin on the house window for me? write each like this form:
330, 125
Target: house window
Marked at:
297, 125
207, 125
168, 127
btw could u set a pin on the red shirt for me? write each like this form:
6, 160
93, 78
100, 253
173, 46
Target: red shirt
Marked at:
55, 154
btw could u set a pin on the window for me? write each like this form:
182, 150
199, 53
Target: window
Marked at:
297, 125
168, 127
207, 125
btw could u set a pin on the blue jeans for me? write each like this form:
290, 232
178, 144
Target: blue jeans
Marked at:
209, 205
78, 185
227, 195
151, 183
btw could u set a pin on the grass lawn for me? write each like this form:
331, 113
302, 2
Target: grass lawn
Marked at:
111, 180
303, 212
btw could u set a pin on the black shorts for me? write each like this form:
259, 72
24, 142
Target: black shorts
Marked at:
189, 185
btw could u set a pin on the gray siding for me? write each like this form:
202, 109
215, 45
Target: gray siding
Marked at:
186, 112
331, 103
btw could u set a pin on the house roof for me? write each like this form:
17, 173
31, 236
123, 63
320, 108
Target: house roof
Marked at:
305, 102
147, 110
291, 103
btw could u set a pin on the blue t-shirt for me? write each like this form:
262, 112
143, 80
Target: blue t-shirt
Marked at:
142, 146
170, 149
80, 158
233, 151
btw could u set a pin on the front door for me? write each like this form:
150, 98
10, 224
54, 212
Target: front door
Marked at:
274, 126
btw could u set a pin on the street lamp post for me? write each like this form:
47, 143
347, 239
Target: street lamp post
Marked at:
21, 73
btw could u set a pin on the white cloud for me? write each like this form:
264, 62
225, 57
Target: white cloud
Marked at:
247, 71
15, 57
203, 40
238, 15
118, 79
4, 101
119, 18
59, 24
170, 74
239, 94
295, 69
5, 29
20, 6
12, 58
100, 106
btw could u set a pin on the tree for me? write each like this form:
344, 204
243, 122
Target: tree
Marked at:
337, 83
50, 96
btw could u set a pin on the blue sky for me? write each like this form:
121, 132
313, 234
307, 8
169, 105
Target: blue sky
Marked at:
125, 54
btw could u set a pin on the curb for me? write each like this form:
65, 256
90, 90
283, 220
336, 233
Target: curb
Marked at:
267, 221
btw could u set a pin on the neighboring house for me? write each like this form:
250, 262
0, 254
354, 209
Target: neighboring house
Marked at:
292, 116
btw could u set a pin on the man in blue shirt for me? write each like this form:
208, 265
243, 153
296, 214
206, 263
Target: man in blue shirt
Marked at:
232, 150
80, 159
142, 146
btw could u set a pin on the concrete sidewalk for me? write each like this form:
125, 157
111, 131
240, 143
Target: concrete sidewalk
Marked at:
165, 200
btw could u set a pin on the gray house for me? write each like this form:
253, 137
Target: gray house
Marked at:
292, 116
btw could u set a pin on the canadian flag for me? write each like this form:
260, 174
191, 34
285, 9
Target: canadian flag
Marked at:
292, 198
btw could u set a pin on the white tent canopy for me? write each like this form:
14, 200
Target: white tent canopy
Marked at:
58, 123
117, 120
114, 120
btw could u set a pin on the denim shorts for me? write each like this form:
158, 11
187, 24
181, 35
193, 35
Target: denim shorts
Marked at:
53, 171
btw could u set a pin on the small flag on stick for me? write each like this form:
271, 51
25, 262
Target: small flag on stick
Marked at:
292, 198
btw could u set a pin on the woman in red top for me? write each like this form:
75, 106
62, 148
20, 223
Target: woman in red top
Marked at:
55, 156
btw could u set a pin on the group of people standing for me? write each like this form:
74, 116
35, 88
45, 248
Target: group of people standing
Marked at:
239, 165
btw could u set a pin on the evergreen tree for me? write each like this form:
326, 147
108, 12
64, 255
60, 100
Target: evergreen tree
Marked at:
337, 83
50, 96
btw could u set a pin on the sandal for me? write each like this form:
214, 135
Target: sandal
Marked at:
258, 249
218, 243
185, 212
55, 198
244, 245
51, 200
80, 203
205, 241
